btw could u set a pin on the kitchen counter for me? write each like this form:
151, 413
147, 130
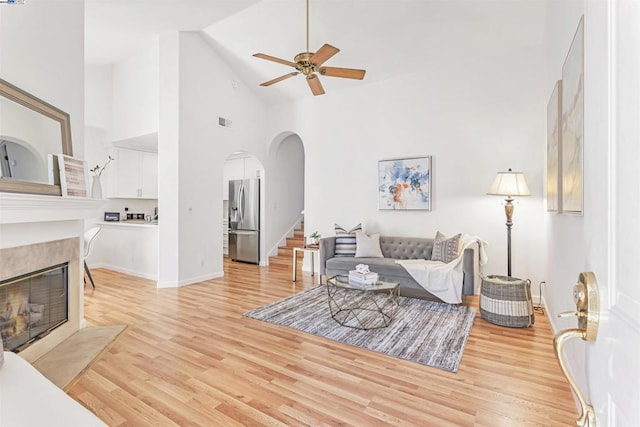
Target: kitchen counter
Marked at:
130, 223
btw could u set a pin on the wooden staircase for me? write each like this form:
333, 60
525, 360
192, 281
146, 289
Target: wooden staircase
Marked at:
284, 259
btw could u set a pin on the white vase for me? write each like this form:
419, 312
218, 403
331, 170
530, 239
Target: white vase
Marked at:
96, 188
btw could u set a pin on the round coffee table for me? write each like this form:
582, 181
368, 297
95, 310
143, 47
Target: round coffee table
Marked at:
362, 306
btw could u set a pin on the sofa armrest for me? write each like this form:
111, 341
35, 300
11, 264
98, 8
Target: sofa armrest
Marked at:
327, 251
469, 269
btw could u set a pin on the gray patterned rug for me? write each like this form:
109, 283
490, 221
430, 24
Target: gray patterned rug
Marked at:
430, 333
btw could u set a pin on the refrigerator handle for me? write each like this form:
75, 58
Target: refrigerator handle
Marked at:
236, 195
241, 204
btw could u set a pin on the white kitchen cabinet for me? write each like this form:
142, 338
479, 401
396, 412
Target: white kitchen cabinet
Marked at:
241, 168
135, 174
149, 175
126, 173
233, 169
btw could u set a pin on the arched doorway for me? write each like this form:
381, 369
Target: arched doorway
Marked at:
286, 188
20, 160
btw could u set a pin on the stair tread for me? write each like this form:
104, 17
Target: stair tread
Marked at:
284, 258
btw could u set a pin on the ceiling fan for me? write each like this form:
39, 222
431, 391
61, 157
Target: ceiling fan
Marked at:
310, 64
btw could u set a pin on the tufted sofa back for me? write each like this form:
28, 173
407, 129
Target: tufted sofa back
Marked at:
406, 247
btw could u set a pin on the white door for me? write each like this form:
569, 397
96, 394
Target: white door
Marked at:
612, 205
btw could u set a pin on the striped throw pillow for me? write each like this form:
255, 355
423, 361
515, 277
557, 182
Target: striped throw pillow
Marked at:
346, 240
446, 250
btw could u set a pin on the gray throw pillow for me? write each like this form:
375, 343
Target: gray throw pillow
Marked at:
346, 240
446, 250
368, 246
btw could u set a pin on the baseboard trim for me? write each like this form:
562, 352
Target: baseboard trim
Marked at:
125, 271
165, 284
190, 281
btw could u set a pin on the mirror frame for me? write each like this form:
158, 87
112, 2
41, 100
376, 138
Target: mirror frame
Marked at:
15, 94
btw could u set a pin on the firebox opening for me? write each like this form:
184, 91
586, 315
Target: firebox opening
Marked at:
32, 305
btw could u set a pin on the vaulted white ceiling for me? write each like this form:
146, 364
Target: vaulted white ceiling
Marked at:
385, 37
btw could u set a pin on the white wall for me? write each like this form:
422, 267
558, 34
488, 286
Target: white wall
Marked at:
98, 96
206, 89
565, 243
136, 95
98, 105
476, 115
129, 249
42, 52
168, 158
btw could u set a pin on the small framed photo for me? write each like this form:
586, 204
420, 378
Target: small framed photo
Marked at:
74, 177
405, 184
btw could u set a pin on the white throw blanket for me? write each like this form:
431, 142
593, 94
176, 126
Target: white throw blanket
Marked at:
444, 280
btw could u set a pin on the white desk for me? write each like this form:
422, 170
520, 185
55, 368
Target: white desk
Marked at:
314, 259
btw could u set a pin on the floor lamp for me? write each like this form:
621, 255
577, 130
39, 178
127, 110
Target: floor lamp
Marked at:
509, 184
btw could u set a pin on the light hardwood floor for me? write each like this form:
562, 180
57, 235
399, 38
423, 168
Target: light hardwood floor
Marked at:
189, 358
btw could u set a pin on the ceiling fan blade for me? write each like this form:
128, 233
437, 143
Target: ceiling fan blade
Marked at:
346, 73
315, 85
324, 53
274, 59
279, 79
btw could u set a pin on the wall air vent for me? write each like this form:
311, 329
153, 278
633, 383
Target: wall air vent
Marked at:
224, 122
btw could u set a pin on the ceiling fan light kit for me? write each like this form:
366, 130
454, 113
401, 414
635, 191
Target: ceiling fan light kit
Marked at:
309, 64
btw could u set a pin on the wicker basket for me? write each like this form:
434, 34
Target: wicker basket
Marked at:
506, 301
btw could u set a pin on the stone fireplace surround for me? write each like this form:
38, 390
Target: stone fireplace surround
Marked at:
40, 231
27, 259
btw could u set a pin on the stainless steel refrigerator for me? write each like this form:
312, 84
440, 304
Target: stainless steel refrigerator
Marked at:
244, 220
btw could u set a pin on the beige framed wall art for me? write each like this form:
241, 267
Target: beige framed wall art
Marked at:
573, 125
554, 149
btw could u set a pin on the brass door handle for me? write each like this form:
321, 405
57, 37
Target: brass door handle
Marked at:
585, 294
572, 313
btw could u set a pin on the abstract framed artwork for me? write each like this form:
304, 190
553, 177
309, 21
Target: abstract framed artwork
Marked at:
573, 125
554, 149
404, 184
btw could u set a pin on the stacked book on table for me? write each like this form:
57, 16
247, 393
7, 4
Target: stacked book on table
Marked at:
368, 278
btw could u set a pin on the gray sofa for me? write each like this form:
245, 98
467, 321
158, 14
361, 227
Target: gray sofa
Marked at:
394, 248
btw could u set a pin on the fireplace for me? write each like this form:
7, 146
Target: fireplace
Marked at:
39, 290
32, 305
37, 232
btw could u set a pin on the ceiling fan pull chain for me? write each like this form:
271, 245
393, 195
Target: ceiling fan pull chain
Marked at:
307, 26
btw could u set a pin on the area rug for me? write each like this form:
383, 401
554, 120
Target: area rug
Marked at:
65, 362
425, 332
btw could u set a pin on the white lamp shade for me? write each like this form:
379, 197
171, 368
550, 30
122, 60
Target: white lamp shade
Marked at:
509, 184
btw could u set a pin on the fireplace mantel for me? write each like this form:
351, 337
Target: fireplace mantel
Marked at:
25, 208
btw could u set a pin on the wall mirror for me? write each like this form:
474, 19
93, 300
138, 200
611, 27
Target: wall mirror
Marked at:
30, 131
